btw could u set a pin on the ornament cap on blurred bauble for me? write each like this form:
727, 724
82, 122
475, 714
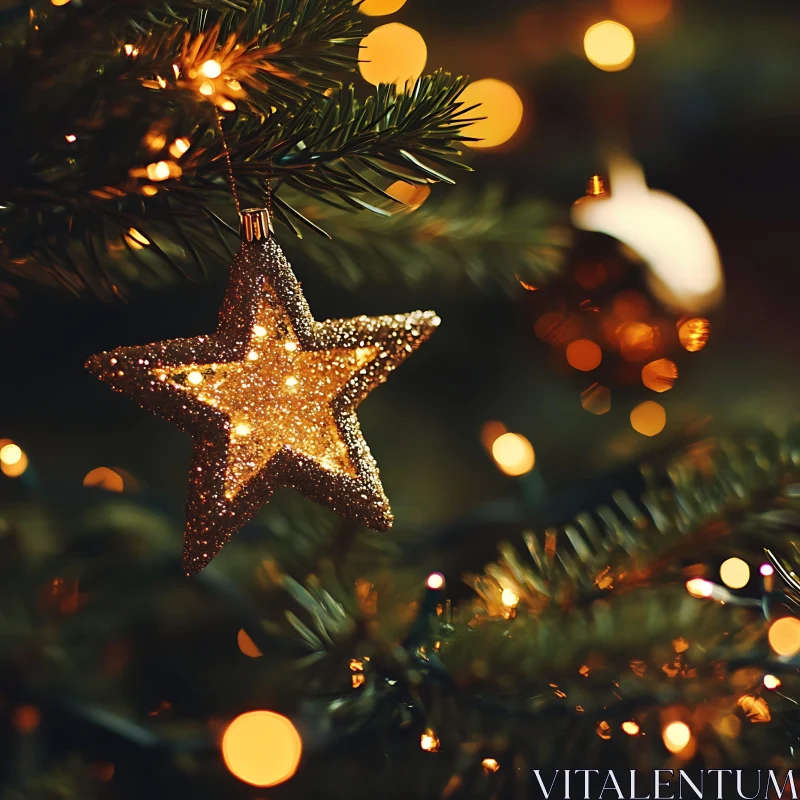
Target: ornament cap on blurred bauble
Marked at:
683, 265
270, 398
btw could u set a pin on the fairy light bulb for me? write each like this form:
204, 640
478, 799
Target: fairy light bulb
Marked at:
435, 580
509, 598
609, 46
734, 573
699, 587
676, 736
211, 69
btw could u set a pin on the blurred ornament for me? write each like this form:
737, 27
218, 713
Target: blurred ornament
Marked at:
684, 270
270, 398
262, 748
501, 106
609, 46
392, 53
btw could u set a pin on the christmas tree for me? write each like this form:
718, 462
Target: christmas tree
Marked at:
580, 550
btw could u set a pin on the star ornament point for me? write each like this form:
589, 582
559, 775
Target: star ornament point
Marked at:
269, 399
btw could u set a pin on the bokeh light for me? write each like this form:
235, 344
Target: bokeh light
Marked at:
609, 46
596, 399
693, 333
676, 736
630, 727
784, 636
262, 748
13, 461
211, 69
435, 580
513, 454
771, 682
10, 454
428, 741
501, 106
734, 573
392, 53
104, 478
490, 765
509, 597
637, 340
641, 12
247, 645
767, 570
412, 195
26, 719
648, 418
379, 8
60, 2
699, 587
584, 355
660, 375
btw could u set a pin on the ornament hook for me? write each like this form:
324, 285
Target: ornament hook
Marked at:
256, 224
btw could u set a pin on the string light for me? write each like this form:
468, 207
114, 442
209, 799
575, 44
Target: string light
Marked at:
784, 636
158, 171
490, 765
609, 46
648, 418
179, 147
735, 573
630, 727
130, 50
262, 748
501, 107
509, 598
135, 239
676, 736
211, 69
206, 88
699, 587
11, 454
71, 137
767, 570
428, 741
513, 454
392, 53
195, 377
771, 682
60, 2
435, 580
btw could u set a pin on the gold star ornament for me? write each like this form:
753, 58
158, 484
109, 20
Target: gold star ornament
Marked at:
270, 398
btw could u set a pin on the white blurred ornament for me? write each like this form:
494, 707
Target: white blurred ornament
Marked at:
684, 270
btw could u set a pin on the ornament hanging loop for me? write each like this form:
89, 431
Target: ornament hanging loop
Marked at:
256, 224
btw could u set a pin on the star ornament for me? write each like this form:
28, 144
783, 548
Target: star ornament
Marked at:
269, 399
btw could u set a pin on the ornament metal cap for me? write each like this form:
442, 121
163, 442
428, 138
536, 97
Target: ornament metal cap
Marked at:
255, 224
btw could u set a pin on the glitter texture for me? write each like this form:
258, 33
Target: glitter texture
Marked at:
269, 399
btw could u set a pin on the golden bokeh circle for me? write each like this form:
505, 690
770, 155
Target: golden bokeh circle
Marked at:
735, 573
262, 748
784, 636
392, 53
584, 355
501, 106
513, 454
648, 418
609, 46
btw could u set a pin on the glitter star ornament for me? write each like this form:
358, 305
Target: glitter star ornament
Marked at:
270, 398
